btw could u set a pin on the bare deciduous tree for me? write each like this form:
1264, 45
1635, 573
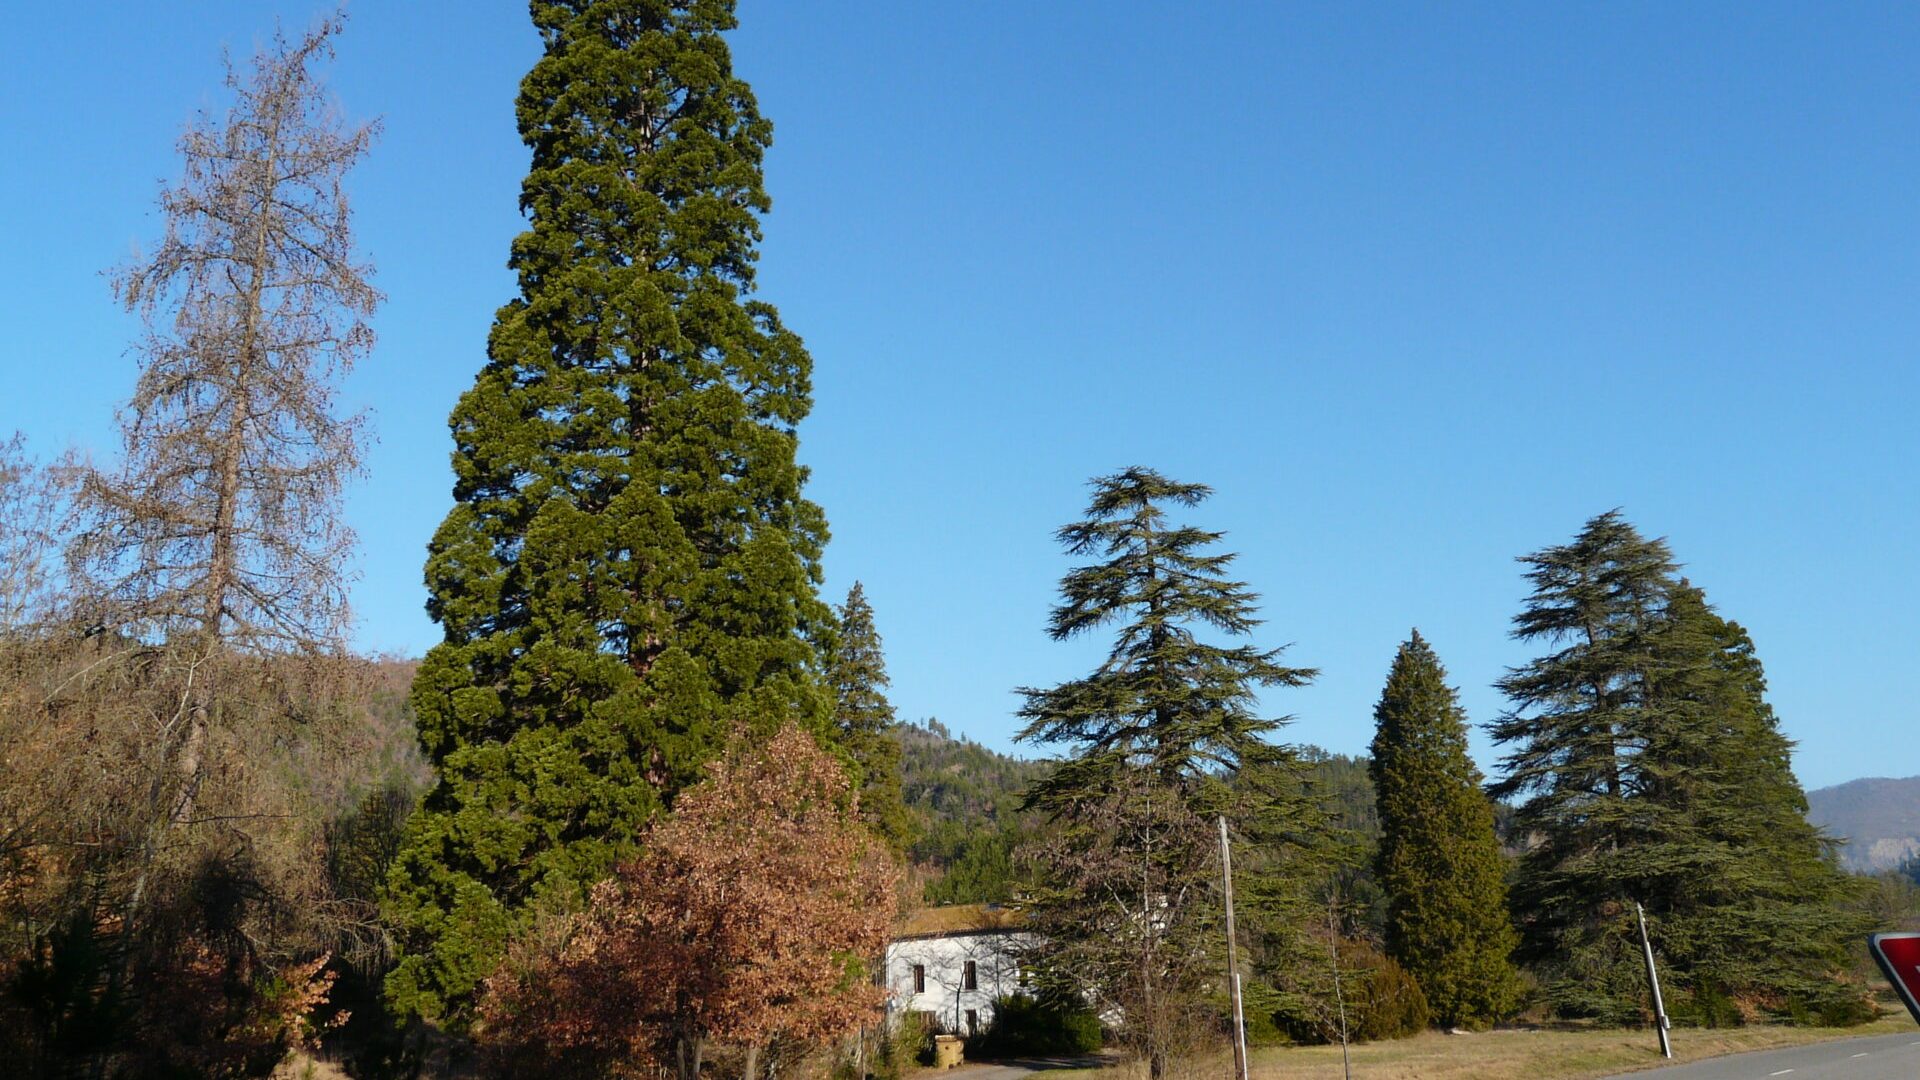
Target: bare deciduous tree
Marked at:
30, 519
1127, 919
220, 532
223, 520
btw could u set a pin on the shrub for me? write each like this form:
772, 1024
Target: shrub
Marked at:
1389, 1003
1382, 1001
1026, 1025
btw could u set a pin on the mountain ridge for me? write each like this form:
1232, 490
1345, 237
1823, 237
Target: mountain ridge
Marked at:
1876, 818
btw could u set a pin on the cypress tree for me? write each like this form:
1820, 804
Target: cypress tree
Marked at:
1439, 861
863, 719
629, 569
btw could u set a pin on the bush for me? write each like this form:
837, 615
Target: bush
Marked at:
1708, 1005
1024, 1025
1389, 1003
1382, 1001
903, 1045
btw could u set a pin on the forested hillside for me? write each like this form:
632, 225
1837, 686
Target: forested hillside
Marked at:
964, 800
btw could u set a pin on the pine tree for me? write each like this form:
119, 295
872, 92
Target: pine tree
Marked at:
1163, 737
1439, 861
863, 719
1163, 701
629, 569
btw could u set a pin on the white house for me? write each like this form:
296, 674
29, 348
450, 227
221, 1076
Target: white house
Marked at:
952, 962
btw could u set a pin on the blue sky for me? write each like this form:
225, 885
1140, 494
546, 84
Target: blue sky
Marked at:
1416, 288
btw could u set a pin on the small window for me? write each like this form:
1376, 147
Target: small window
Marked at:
973, 1021
970, 980
919, 978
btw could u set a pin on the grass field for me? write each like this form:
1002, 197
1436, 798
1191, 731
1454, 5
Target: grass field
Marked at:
1509, 1055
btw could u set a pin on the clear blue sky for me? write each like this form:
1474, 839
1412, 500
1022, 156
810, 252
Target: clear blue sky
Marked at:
1416, 288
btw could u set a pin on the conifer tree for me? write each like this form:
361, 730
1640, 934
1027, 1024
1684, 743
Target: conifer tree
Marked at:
1756, 906
1163, 737
1656, 774
1439, 861
863, 719
629, 570
1580, 714
1164, 700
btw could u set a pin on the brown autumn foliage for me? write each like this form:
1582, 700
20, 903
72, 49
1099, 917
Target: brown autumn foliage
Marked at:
751, 922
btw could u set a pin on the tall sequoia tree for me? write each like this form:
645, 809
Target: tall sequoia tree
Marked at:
629, 569
1439, 861
863, 718
1655, 773
1163, 737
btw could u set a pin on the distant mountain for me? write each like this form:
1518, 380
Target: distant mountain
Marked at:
1878, 818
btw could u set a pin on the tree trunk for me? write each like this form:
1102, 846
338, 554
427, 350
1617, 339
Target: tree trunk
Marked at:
751, 1069
687, 1052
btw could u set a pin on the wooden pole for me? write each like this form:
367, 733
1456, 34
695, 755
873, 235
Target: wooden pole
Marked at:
1339, 995
1233, 958
1653, 979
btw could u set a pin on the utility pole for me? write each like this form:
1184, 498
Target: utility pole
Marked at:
1653, 979
1233, 958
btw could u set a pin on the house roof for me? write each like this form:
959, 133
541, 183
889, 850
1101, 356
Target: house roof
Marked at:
954, 919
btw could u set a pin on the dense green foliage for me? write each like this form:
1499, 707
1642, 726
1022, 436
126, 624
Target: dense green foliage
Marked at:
1655, 772
1438, 861
1024, 1026
628, 571
863, 719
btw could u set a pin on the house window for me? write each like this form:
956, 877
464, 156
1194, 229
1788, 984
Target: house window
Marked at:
919, 978
973, 1021
970, 979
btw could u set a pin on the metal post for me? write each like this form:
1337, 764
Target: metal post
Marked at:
1233, 958
1653, 979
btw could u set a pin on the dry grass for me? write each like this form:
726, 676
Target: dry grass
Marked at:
1509, 1055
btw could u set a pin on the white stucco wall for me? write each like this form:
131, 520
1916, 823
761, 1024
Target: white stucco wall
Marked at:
996, 974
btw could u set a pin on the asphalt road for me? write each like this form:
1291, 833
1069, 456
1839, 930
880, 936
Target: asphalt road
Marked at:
1024, 1068
1883, 1057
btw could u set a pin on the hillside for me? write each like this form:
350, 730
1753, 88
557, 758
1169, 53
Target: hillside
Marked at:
957, 790
1879, 819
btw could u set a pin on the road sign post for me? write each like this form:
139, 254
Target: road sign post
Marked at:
1899, 956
